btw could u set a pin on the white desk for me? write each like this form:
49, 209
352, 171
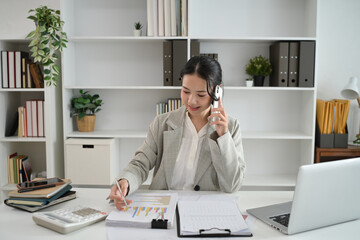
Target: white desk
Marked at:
17, 224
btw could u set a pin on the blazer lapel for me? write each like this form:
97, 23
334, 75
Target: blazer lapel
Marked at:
172, 141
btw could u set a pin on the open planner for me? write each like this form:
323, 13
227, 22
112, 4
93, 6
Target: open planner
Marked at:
210, 217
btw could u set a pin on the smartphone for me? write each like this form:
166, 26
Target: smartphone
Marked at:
40, 183
218, 95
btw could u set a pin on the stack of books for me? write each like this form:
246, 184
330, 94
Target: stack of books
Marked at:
38, 199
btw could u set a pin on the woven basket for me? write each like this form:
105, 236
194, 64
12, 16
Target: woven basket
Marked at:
86, 124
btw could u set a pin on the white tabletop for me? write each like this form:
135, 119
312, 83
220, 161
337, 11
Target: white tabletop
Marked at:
17, 224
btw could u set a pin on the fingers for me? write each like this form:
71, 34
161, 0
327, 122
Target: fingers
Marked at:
120, 205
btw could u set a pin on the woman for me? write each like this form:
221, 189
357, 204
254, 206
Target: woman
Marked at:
183, 147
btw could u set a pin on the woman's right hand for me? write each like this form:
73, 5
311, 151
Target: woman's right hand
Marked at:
116, 196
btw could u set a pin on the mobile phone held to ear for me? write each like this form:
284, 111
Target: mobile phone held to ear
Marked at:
218, 95
40, 183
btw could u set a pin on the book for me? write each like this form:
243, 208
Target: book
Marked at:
167, 18
27, 169
4, 69
10, 167
184, 29
161, 30
11, 68
19, 63
41, 193
69, 195
38, 201
12, 126
205, 217
34, 120
36, 75
40, 117
146, 207
173, 17
29, 112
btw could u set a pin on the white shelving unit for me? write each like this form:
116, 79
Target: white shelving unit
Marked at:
45, 153
102, 56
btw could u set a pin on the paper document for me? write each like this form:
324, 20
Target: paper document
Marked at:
146, 207
215, 217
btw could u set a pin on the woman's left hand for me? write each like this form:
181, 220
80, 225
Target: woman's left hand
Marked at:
221, 124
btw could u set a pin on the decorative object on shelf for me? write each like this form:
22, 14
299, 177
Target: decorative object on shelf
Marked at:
47, 39
249, 82
138, 26
258, 67
84, 108
351, 91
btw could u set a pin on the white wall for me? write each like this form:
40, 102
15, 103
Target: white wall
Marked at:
338, 50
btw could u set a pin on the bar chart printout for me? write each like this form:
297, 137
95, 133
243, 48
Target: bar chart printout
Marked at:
144, 209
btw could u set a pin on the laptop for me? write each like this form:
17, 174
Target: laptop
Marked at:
325, 194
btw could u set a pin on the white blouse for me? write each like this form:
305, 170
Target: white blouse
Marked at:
187, 159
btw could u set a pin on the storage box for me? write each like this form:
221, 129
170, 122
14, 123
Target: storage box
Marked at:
91, 161
331, 140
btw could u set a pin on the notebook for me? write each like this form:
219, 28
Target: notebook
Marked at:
325, 194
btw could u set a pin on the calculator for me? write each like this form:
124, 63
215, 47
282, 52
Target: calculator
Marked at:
69, 219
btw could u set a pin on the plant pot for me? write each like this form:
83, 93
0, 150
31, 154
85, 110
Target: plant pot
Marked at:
137, 33
259, 81
86, 124
249, 83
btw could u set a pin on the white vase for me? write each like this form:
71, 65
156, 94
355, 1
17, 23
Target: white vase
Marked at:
249, 83
137, 33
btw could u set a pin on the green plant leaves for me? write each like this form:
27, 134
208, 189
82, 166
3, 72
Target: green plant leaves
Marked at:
85, 104
47, 38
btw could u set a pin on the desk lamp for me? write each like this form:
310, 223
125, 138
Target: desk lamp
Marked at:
351, 91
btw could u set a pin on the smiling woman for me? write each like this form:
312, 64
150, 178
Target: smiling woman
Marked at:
185, 153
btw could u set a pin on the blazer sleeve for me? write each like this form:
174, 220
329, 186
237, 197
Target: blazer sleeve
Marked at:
144, 160
228, 159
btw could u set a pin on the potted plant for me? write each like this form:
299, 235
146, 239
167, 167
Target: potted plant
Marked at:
47, 39
249, 82
138, 26
84, 108
258, 67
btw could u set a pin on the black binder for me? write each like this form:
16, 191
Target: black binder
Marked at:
194, 49
279, 53
213, 232
293, 64
306, 63
167, 63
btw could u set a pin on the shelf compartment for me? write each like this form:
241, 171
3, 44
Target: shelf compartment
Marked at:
22, 139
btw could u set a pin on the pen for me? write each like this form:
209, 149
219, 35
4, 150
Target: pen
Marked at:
35, 188
118, 186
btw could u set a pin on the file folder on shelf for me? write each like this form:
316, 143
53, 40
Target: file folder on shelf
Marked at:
179, 60
279, 53
306, 64
167, 63
293, 64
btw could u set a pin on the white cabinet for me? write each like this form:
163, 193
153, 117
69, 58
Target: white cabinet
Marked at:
45, 153
103, 57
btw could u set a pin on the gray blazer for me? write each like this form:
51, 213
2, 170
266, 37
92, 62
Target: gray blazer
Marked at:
221, 163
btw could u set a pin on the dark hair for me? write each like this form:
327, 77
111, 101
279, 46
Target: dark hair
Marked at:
208, 69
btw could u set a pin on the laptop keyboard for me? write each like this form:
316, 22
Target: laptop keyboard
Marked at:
283, 219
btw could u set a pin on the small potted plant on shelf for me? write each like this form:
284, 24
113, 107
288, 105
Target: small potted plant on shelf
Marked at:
138, 26
84, 108
47, 39
258, 67
249, 82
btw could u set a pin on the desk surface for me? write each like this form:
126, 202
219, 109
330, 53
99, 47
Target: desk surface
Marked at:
17, 224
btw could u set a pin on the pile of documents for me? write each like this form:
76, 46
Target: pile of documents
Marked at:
146, 208
332, 115
38, 199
